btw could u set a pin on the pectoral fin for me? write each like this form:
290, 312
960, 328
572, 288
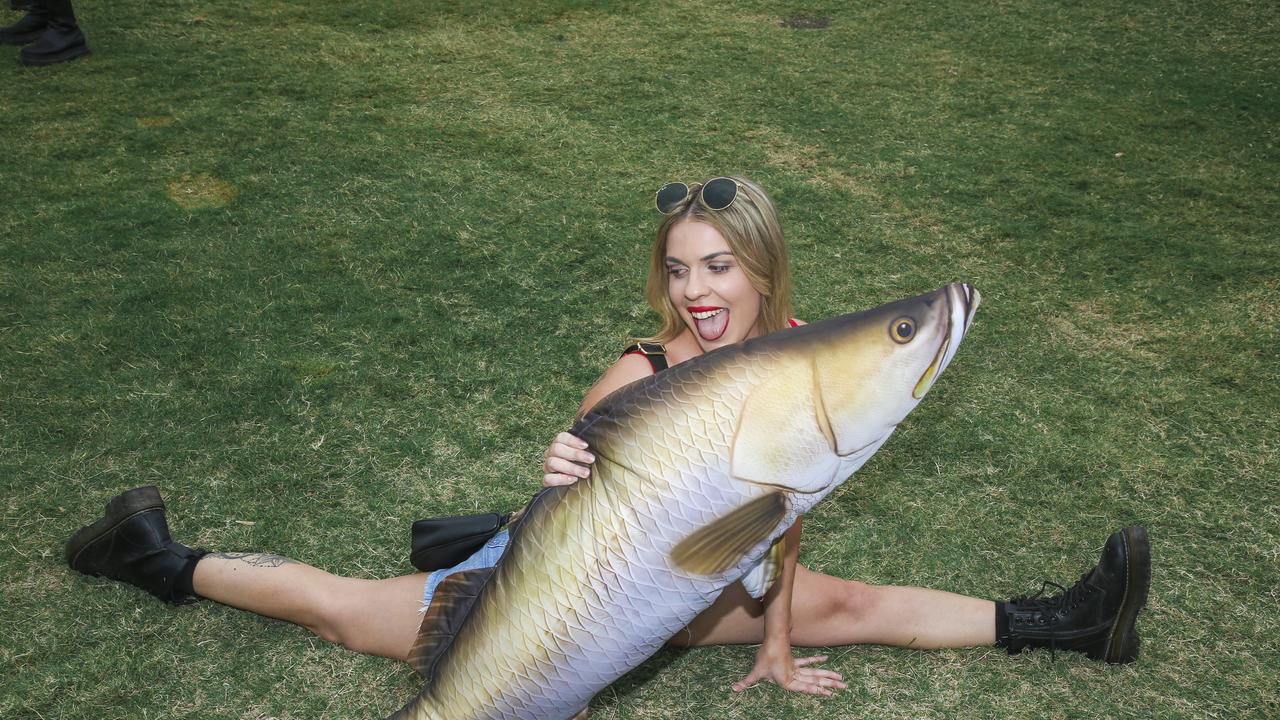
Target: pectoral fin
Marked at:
760, 578
722, 544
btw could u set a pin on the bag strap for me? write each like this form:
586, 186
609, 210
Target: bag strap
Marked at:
655, 353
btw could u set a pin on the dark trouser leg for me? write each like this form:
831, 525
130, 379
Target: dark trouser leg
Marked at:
29, 28
61, 40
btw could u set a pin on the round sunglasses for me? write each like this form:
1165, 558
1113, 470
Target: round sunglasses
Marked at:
715, 194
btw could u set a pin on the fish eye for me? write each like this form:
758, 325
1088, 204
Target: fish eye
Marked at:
902, 330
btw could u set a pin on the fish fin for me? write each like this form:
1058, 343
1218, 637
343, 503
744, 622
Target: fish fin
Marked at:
450, 605
773, 563
783, 435
760, 578
722, 544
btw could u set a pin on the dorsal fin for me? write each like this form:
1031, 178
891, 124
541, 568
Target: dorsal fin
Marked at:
721, 544
450, 605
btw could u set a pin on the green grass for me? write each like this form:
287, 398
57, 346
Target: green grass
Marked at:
318, 269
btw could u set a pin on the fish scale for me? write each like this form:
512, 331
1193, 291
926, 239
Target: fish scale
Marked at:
699, 470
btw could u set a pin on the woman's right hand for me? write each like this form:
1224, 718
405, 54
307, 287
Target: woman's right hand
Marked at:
566, 461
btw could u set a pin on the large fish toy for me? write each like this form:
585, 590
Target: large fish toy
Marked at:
699, 470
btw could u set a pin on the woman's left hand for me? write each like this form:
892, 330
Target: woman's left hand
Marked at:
777, 666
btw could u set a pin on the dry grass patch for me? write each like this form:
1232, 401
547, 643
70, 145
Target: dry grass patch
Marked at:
198, 192
1093, 331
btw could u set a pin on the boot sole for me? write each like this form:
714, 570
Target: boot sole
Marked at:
65, 55
1123, 641
119, 510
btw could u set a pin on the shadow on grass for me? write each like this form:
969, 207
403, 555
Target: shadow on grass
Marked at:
642, 674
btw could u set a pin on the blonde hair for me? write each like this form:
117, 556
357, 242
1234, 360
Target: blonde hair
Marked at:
750, 226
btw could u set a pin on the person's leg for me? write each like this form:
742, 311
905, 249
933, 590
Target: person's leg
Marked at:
61, 40
1096, 616
29, 28
131, 543
828, 611
376, 617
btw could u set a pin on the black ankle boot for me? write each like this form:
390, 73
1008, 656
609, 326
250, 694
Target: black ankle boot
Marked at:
29, 28
131, 543
1096, 616
61, 40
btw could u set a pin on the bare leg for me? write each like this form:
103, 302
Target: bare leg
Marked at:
828, 611
377, 617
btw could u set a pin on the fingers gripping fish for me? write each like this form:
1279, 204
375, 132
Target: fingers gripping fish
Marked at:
698, 471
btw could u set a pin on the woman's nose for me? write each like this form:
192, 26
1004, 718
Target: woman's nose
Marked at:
695, 288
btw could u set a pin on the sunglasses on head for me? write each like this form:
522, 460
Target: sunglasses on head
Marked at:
714, 194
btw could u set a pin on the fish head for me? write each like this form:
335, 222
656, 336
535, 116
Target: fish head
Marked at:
873, 368
839, 387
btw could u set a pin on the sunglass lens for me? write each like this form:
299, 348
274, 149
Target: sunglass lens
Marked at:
719, 193
671, 195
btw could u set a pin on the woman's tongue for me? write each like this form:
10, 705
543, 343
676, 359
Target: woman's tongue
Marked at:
713, 327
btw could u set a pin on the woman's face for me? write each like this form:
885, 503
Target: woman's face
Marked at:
708, 287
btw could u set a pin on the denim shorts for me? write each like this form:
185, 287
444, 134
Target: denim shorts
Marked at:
485, 557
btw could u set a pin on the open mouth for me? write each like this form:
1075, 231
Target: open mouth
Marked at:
962, 302
935, 367
711, 322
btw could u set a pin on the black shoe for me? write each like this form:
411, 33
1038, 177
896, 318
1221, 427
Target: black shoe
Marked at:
131, 543
54, 46
27, 30
61, 40
1096, 616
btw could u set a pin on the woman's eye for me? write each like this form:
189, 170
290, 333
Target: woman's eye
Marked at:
677, 272
718, 268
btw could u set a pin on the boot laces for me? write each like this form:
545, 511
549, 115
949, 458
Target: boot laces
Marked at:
1051, 608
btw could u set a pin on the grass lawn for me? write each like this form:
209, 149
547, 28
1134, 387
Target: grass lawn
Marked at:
318, 269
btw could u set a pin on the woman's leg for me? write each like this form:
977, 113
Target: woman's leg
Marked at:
1096, 616
828, 611
131, 543
376, 617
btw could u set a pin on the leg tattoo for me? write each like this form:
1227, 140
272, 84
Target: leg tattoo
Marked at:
264, 560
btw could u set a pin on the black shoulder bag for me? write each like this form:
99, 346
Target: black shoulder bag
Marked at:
446, 541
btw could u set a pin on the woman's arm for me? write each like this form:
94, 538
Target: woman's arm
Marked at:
567, 460
773, 660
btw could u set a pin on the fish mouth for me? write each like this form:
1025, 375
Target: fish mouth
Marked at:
962, 302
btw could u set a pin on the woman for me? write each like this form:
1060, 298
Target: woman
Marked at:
718, 276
